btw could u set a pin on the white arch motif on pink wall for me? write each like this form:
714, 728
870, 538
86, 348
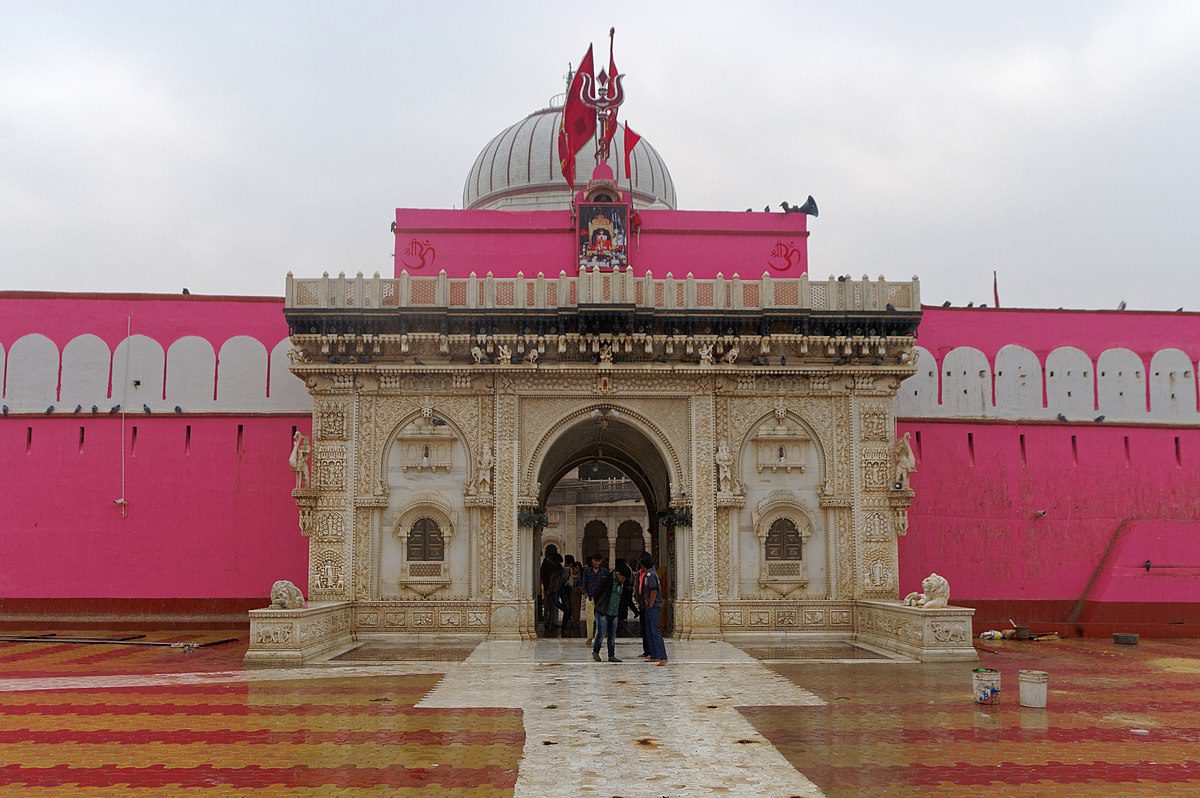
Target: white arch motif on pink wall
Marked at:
139, 368
918, 395
86, 361
288, 392
1121, 384
966, 383
242, 375
32, 383
1070, 383
1018, 383
1172, 386
191, 374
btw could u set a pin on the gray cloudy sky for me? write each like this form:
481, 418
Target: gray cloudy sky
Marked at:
151, 146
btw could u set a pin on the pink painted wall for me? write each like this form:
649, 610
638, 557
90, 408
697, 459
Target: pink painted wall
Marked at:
506, 242
206, 521
974, 519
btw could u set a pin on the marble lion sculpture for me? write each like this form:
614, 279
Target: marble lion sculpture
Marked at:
286, 596
936, 595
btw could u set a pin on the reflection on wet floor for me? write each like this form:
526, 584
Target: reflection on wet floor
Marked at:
379, 651
808, 651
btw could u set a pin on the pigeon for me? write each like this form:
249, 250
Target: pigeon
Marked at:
1122, 305
49, 409
749, 210
1179, 310
767, 209
660, 358
186, 292
95, 410
946, 304
417, 361
146, 408
6, 410
1061, 417
877, 361
1099, 418
890, 306
783, 360
754, 360
970, 304
78, 408
114, 409
178, 409
841, 278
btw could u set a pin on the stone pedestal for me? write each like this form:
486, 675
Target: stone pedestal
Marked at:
940, 635
296, 637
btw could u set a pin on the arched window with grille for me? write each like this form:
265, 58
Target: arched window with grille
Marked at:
784, 541
425, 541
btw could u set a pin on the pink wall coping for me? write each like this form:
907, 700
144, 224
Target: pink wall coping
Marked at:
163, 317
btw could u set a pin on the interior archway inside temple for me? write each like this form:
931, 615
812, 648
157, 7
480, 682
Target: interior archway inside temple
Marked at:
604, 487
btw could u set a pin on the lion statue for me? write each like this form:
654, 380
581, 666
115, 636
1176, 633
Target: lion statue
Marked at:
936, 595
286, 596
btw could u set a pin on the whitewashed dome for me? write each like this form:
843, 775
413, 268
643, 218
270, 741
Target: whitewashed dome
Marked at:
518, 169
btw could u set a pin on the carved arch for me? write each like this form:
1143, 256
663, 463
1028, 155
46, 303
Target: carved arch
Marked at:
653, 433
385, 447
809, 429
425, 504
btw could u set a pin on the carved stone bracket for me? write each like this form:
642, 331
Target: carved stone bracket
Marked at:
306, 500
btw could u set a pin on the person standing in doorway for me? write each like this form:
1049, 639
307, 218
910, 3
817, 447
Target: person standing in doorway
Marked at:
544, 576
593, 575
608, 604
652, 610
640, 607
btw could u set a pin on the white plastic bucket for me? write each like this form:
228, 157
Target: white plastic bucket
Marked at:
1033, 689
986, 684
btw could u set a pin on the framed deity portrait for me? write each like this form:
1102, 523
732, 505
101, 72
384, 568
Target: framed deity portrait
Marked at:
603, 230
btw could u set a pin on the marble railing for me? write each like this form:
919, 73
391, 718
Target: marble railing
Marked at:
598, 287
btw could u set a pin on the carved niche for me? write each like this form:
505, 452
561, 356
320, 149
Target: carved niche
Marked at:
783, 526
428, 514
426, 444
780, 445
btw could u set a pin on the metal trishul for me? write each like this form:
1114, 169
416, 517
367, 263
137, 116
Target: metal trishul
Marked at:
604, 96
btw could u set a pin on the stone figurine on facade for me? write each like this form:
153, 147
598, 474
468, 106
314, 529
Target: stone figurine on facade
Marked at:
935, 597
298, 460
476, 354
731, 355
505, 356
724, 464
906, 462
286, 596
484, 478
706, 354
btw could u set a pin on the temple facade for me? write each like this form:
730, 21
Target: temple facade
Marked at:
755, 418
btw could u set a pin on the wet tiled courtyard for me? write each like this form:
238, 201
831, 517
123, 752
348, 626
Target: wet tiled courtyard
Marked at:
542, 719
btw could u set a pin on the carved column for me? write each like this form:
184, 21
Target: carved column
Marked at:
878, 576
699, 616
506, 611
330, 552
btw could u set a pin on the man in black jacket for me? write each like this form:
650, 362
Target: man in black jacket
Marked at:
608, 605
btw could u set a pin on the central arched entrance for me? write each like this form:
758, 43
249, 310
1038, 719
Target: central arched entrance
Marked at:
618, 483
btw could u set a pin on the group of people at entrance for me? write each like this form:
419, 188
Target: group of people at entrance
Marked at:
600, 598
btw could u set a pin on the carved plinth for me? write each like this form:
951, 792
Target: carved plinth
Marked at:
306, 500
939, 635
295, 637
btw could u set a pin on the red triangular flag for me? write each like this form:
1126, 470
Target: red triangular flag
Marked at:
631, 141
578, 121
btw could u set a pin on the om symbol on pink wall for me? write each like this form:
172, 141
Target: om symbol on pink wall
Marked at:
419, 254
784, 255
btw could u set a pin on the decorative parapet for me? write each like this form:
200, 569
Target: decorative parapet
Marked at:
938, 635
596, 287
295, 637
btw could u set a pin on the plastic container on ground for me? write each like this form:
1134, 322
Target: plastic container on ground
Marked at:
1033, 689
986, 685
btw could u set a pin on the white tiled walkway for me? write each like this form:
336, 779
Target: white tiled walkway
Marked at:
633, 729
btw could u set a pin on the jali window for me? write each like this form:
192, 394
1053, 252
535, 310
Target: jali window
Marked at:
425, 542
784, 541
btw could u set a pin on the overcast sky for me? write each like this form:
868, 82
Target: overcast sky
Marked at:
151, 146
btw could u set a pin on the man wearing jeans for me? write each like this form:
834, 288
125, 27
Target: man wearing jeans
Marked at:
608, 605
593, 575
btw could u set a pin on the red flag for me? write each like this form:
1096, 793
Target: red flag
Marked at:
578, 121
631, 141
